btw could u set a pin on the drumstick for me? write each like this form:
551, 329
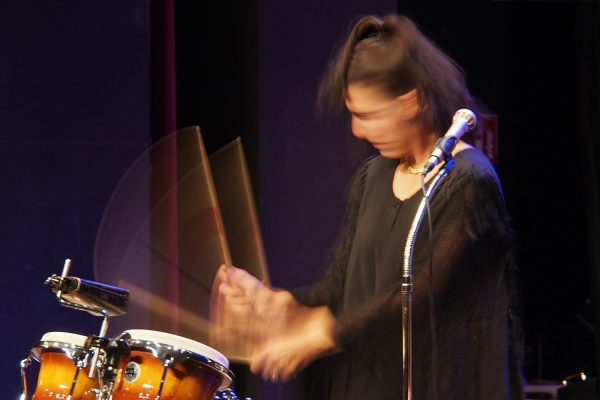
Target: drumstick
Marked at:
192, 320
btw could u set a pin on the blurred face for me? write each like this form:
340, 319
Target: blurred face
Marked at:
391, 124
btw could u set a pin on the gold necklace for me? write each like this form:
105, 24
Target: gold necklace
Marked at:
415, 171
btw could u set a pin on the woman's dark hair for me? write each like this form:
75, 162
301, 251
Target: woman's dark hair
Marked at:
395, 55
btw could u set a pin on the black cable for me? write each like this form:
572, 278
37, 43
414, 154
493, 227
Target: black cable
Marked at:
431, 294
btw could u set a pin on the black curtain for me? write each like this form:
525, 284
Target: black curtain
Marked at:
535, 65
587, 40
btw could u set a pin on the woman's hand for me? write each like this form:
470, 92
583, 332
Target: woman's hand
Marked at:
232, 306
308, 337
284, 336
240, 288
248, 309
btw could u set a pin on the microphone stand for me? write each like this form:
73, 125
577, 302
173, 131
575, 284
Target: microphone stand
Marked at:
407, 279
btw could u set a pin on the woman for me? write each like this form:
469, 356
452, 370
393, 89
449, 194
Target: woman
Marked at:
401, 92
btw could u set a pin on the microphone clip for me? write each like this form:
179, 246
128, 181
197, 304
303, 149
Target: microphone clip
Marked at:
443, 152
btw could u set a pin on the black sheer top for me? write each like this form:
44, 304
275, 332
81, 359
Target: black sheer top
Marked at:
473, 263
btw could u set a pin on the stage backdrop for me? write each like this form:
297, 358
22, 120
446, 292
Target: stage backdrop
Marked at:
74, 113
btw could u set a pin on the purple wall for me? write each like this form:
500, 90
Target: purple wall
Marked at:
305, 160
74, 113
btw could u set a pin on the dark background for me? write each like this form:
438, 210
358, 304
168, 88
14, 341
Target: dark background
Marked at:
85, 87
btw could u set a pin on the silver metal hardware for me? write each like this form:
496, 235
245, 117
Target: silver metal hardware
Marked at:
227, 394
407, 280
24, 364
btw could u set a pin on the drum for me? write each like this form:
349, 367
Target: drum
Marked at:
169, 366
62, 357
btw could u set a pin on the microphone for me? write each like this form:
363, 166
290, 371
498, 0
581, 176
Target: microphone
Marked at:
91, 295
463, 121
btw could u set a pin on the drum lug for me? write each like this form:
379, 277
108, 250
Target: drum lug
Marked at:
101, 395
77, 372
80, 358
167, 364
227, 394
24, 364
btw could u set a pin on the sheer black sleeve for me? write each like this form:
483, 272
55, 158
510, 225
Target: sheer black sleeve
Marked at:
328, 291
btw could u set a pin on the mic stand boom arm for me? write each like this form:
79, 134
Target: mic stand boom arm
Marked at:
407, 280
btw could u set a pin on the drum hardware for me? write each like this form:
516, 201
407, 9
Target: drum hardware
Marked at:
99, 300
114, 351
227, 394
80, 361
93, 297
166, 364
171, 366
109, 352
24, 364
95, 362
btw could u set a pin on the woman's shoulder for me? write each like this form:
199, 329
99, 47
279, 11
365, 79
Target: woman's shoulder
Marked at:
377, 164
472, 158
472, 163
474, 175
368, 172
474, 186
370, 166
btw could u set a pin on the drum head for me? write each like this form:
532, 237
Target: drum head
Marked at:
180, 342
64, 342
